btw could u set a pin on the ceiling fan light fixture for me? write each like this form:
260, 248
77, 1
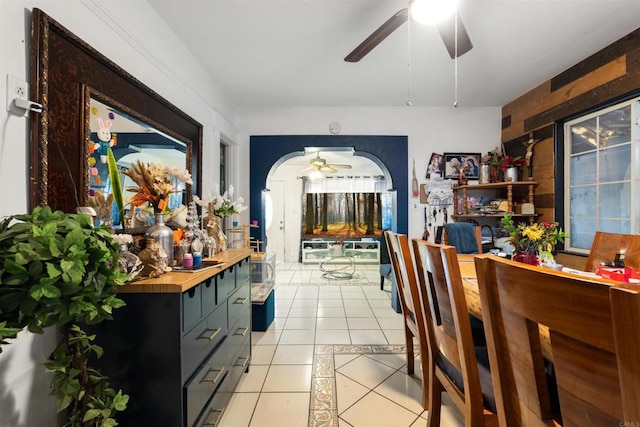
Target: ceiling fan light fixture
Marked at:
315, 175
429, 12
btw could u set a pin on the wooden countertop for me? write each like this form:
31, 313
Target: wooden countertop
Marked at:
178, 282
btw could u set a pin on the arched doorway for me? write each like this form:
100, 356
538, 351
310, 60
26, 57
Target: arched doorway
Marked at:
269, 151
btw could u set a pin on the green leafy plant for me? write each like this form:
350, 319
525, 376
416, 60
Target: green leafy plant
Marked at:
116, 186
57, 269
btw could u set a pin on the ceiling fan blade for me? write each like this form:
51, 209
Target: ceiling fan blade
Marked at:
327, 169
447, 30
378, 36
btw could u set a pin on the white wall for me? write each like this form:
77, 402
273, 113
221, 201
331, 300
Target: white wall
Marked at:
429, 129
134, 37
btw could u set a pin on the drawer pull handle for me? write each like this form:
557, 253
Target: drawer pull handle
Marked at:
245, 362
203, 336
213, 422
215, 380
241, 300
244, 331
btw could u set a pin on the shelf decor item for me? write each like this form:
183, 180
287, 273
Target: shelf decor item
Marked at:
530, 241
510, 167
461, 166
163, 236
494, 159
219, 207
127, 261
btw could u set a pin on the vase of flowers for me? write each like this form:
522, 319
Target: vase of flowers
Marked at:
155, 183
531, 240
493, 159
219, 206
510, 167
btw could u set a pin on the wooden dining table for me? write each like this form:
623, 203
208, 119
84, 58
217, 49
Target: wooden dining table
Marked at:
472, 296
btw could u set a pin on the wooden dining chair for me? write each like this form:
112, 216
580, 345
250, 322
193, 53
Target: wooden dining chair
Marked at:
625, 307
454, 359
466, 237
516, 299
606, 246
410, 301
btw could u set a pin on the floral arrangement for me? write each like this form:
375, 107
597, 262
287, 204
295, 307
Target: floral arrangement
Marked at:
511, 162
122, 239
494, 157
533, 238
221, 205
155, 183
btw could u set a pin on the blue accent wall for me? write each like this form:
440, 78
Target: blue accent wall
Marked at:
265, 151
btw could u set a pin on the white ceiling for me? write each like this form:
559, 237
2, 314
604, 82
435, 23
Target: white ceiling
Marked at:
284, 53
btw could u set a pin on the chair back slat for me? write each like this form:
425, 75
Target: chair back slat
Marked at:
605, 246
516, 299
625, 306
450, 333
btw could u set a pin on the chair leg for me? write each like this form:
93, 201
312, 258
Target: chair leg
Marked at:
410, 355
435, 401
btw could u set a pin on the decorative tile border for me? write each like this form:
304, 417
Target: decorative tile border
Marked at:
323, 407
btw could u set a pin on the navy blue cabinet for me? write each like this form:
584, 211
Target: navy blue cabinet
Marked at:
180, 354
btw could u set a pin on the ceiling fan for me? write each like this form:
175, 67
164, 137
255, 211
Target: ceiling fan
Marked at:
447, 29
321, 165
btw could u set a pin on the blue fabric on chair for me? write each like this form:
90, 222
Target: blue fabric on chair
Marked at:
462, 236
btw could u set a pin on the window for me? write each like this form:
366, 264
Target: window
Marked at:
602, 152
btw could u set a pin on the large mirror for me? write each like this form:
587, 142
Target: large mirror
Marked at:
70, 78
130, 140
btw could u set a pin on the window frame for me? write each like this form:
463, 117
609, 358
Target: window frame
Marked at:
563, 154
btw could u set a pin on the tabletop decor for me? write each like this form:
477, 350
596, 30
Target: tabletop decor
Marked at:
59, 270
494, 159
219, 207
532, 241
127, 261
155, 183
510, 167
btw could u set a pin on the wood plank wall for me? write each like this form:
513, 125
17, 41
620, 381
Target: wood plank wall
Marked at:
610, 74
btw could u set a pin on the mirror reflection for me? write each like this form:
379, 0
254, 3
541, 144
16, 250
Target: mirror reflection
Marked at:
130, 140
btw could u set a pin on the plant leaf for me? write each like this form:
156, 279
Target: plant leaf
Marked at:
116, 185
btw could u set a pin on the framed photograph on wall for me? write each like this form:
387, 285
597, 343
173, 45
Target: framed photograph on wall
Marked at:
434, 168
469, 162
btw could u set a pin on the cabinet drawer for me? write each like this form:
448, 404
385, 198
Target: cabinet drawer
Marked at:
208, 380
225, 282
240, 348
191, 307
212, 415
243, 272
239, 304
208, 295
202, 339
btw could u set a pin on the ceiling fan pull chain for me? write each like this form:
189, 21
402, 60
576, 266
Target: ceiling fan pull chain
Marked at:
455, 72
409, 103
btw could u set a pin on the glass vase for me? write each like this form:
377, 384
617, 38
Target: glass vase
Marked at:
525, 257
129, 262
163, 236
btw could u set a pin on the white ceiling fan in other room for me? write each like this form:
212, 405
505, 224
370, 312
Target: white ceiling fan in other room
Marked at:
319, 167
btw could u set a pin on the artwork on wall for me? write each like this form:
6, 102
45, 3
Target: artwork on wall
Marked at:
467, 162
434, 168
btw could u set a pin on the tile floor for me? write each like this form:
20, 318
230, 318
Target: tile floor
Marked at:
333, 357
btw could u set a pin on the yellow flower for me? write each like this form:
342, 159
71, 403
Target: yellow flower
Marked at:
533, 232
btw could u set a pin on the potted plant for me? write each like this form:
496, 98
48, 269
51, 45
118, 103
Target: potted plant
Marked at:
56, 269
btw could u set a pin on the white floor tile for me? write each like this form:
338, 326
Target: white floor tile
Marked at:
367, 372
333, 336
293, 355
324, 323
330, 303
367, 336
395, 360
282, 409
269, 337
240, 409
404, 390
253, 380
374, 410
262, 354
343, 359
297, 336
395, 336
385, 311
396, 322
300, 323
348, 392
356, 303
288, 378
362, 323
358, 312
331, 312
303, 312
